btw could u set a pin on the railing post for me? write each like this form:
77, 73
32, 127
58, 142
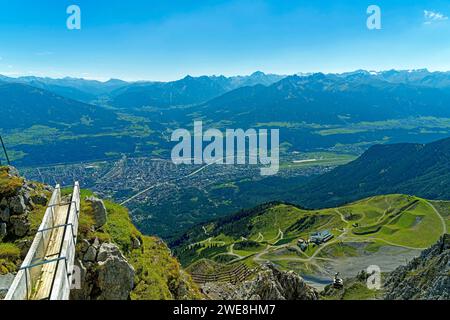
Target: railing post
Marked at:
26, 285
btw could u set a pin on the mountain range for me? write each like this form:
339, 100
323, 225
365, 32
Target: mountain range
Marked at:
149, 93
326, 99
23, 106
346, 112
73, 88
188, 90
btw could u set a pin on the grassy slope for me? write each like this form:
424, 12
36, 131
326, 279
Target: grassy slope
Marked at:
354, 289
8, 184
386, 220
158, 274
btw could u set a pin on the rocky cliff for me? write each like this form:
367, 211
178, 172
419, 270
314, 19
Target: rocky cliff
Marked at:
426, 277
22, 206
115, 261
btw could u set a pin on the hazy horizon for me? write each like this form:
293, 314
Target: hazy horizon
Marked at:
300, 73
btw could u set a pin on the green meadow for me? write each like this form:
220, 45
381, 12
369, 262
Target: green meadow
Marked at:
272, 234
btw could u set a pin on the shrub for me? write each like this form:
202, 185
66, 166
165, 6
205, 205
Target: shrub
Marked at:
9, 185
9, 251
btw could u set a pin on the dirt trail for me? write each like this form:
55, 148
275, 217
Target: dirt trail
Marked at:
444, 225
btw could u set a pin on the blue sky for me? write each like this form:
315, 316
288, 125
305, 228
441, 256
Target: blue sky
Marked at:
166, 40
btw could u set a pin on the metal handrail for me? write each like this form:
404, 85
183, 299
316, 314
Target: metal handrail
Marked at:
62, 250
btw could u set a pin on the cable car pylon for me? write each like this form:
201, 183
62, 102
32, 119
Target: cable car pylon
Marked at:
4, 150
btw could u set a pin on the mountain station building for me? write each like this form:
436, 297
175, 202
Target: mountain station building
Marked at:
321, 237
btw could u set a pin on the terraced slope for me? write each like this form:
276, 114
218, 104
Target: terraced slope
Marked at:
207, 271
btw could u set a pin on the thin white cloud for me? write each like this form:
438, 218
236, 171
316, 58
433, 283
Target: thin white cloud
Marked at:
44, 53
10, 73
433, 16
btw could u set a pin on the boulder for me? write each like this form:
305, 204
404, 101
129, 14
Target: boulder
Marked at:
135, 243
90, 255
27, 199
17, 205
115, 279
13, 172
5, 282
115, 275
3, 231
39, 199
96, 243
108, 250
24, 246
84, 245
19, 225
99, 211
110, 278
4, 215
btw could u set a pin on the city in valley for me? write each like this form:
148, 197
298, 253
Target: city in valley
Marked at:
164, 197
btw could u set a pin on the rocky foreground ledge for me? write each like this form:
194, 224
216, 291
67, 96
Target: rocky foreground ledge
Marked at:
19, 200
116, 262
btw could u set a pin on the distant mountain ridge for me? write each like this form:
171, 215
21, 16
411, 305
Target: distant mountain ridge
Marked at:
195, 90
421, 77
328, 99
73, 88
23, 106
42, 127
187, 91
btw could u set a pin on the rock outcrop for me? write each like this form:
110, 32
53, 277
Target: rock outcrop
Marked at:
18, 197
19, 225
105, 275
5, 214
99, 211
5, 282
3, 231
115, 274
20, 216
17, 204
269, 284
425, 277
